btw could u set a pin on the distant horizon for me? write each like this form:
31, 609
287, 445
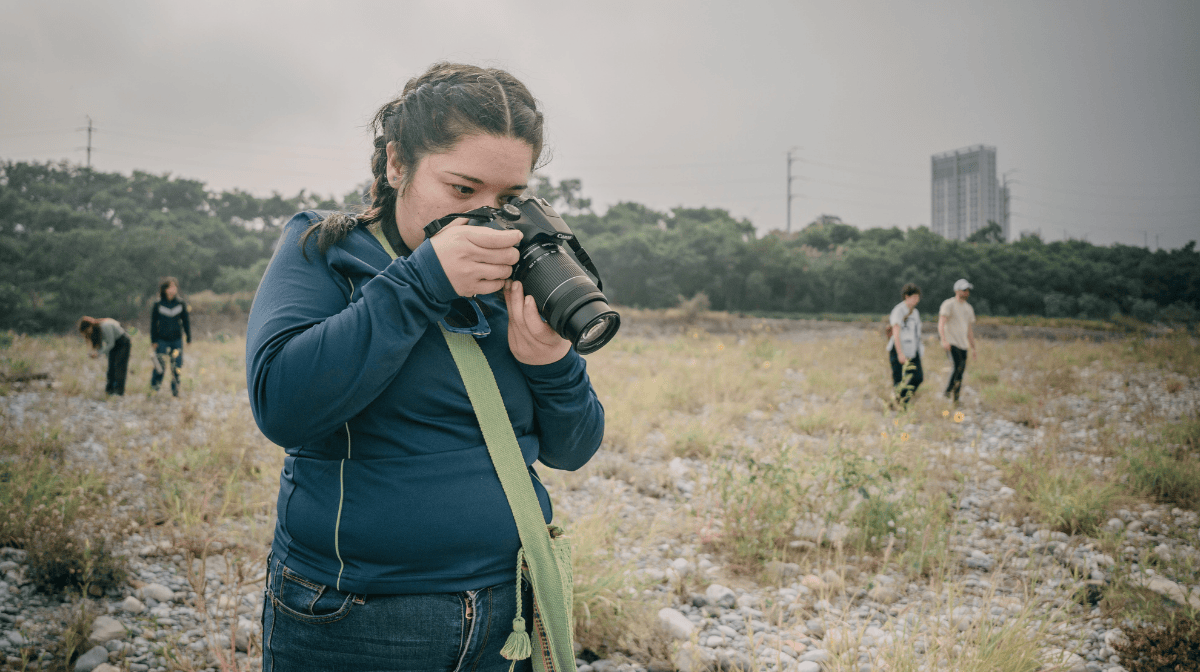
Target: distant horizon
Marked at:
799, 226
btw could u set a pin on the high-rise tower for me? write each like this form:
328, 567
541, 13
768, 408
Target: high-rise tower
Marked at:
966, 195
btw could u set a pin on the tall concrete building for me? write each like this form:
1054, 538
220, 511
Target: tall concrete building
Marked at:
966, 194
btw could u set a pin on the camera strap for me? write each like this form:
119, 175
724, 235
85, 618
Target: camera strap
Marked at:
394, 240
432, 228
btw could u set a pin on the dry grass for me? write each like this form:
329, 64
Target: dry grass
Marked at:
782, 428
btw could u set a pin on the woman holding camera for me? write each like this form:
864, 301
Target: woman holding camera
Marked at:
395, 546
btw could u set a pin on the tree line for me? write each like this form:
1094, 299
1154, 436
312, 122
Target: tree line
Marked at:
76, 241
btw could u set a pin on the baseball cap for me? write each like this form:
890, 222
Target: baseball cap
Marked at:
962, 284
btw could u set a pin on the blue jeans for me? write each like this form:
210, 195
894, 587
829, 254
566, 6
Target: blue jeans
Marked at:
309, 626
906, 377
170, 356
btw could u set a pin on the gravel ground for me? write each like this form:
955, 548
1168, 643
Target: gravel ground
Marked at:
800, 620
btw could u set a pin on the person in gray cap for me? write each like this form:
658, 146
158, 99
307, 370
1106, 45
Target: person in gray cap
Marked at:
956, 328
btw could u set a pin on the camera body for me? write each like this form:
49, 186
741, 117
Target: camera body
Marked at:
567, 298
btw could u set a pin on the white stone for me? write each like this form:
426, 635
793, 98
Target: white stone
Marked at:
882, 595
808, 666
132, 605
682, 566
106, 628
813, 582
840, 639
677, 468
89, 661
105, 667
720, 596
1064, 660
693, 658
157, 591
675, 623
1167, 588
833, 580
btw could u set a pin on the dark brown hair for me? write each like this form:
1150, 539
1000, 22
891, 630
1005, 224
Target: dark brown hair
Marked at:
162, 287
88, 326
433, 113
910, 289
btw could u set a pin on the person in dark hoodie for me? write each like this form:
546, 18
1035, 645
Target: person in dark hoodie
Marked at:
395, 546
168, 325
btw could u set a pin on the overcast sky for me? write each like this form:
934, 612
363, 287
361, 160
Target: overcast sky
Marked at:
1093, 106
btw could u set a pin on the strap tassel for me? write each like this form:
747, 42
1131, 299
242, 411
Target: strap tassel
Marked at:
518, 646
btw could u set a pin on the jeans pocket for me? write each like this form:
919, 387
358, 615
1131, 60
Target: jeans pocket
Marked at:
308, 601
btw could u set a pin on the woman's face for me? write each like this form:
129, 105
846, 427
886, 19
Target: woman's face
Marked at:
912, 300
170, 291
481, 170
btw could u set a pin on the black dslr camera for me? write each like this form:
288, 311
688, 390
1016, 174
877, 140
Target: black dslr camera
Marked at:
566, 297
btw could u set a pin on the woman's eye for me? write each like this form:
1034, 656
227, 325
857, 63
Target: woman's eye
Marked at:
464, 190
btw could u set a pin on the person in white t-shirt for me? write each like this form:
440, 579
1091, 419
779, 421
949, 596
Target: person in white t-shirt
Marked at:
956, 328
904, 344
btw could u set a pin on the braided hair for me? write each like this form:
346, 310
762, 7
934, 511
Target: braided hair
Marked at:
432, 114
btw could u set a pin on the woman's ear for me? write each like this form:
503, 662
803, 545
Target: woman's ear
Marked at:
395, 174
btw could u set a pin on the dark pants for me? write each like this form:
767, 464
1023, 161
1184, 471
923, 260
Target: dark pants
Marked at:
906, 378
118, 366
959, 357
308, 626
170, 356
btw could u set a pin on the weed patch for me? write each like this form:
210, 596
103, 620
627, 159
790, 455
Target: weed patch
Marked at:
1168, 471
761, 499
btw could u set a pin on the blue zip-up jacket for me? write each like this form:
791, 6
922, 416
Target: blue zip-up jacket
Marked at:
387, 486
169, 321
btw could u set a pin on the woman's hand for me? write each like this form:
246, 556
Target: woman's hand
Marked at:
476, 259
531, 340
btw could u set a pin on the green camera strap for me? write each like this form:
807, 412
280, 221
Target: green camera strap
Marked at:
548, 581
517, 483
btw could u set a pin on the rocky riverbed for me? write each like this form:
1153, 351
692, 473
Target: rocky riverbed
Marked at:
828, 610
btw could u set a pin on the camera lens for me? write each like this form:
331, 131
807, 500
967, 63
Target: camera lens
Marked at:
571, 303
600, 325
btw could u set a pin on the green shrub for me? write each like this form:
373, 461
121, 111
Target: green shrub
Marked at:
761, 501
51, 512
1168, 474
1162, 648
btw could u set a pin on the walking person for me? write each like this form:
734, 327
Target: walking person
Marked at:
395, 546
106, 337
168, 326
905, 346
956, 329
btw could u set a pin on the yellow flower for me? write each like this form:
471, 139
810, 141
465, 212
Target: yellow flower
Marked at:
896, 422
883, 435
945, 414
720, 347
958, 417
904, 436
766, 365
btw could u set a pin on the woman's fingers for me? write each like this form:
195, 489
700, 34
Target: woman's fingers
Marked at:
531, 340
476, 259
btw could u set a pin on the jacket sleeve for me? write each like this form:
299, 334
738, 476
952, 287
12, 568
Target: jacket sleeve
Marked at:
154, 317
312, 361
570, 416
183, 319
